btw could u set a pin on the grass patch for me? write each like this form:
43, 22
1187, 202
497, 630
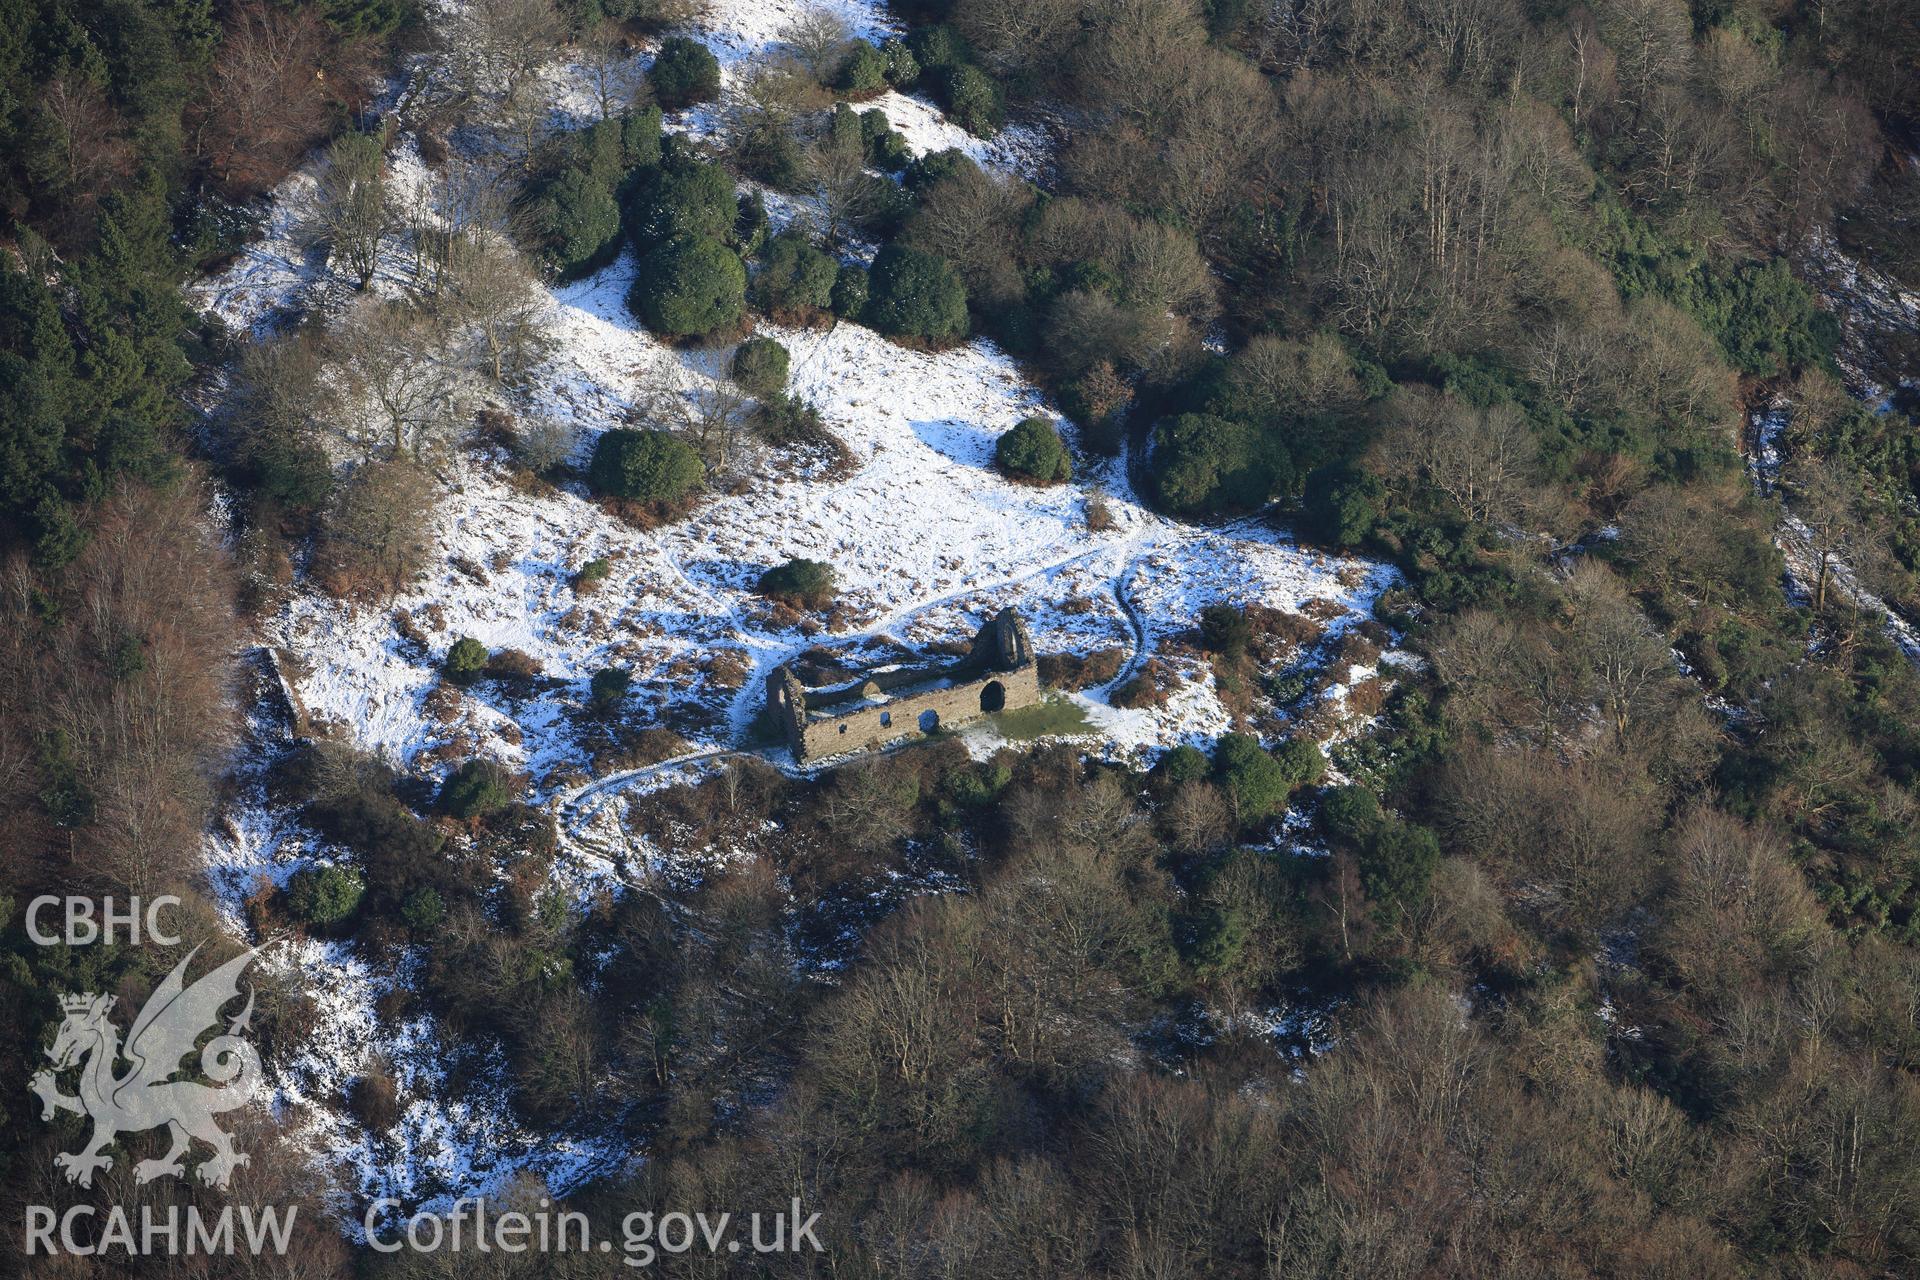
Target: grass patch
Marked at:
1050, 717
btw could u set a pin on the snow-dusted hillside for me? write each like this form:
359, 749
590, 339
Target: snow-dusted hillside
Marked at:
926, 538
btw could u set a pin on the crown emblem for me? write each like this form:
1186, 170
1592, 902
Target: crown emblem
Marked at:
172, 1025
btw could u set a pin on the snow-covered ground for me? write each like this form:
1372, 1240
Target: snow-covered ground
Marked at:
1869, 305
926, 538
742, 31
1800, 547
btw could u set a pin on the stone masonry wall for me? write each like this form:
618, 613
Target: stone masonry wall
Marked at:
872, 725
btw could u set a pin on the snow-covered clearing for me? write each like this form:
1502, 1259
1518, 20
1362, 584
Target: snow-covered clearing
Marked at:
926, 538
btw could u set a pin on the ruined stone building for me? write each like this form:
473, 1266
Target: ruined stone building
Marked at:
998, 673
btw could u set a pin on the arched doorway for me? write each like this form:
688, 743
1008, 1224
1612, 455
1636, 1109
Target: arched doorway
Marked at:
929, 721
993, 697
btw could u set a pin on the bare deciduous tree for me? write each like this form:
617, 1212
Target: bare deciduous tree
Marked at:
353, 213
846, 192
121, 705
375, 535
269, 89
1737, 911
1012, 36
971, 220
1844, 532
612, 69
1567, 360
818, 37
492, 295
711, 414
1653, 40
1480, 459
399, 391
1281, 376
83, 147
1631, 667
498, 46
1197, 818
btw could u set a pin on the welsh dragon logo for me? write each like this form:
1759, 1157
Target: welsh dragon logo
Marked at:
146, 1096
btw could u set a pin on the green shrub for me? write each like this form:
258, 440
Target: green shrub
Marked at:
902, 68
1224, 629
760, 367
849, 297
368, 17
592, 573
64, 793
580, 223
1396, 864
890, 152
935, 166
788, 420
644, 466
597, 149
683, 197
750, 228
973, 101
1184, 764
1302, 761
642, 15
843, 130
795, 275
883, 146
609, 687
466, 659
289, 471
1033, 450
973, 787
689, 286
864, 73
913, 293
805, 584
1207, 465
423, 910
58, 535
889, 207
325, 895
640, 137
1769, 323
1341, 505
685, 72
1396, 859
398, 851
1349, 814
937, 48
475, 789
768, 152
1255, 780
573, 207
